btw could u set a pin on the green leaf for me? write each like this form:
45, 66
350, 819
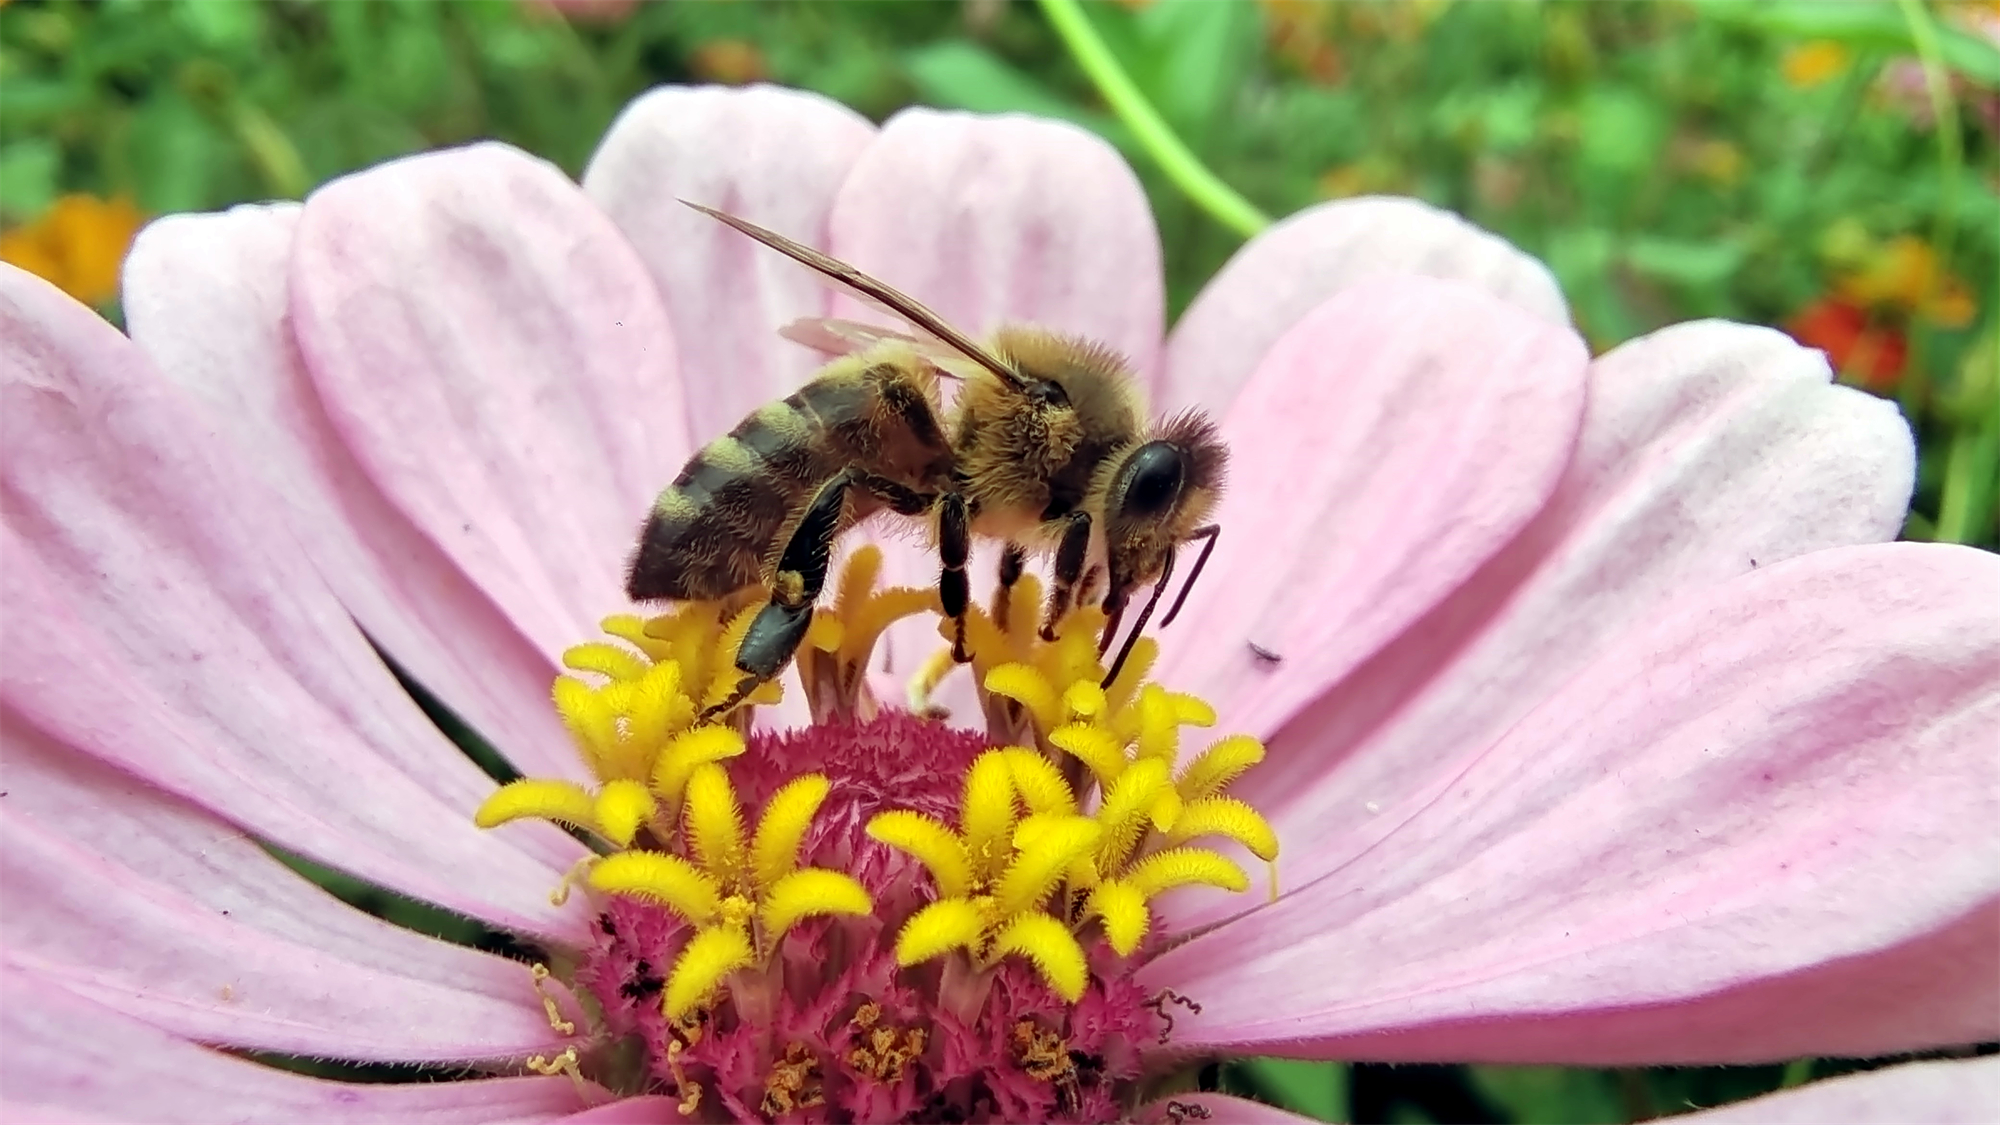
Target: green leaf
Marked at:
175, 155
1315, 1089
1684, 262
27, 178
1198, 53
1879, 26
965, 75
1620, 129
222, 24
1551, 1093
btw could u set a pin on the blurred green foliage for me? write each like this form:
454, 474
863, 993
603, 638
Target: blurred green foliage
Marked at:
1776, 163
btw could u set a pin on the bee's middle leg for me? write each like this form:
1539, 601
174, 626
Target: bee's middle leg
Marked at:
777, 630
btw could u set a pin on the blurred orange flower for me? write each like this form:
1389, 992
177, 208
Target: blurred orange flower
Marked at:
732, 62
78, 244
1866, 354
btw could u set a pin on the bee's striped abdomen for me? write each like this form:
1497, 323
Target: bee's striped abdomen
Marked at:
711, 530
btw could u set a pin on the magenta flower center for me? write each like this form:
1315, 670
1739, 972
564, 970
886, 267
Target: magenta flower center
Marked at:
879, 917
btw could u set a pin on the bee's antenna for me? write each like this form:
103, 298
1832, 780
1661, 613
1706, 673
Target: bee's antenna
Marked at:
1211, 533
1139, 626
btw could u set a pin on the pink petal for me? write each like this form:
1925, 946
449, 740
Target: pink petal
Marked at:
1707, 450
1759, 828
1934, 1093
161, 619
1287, 270
990, 220
1390, 443
68, 1059
646, 1110
1220, 1107
169, 916
494, 354
995, 219
773, 156
207, 297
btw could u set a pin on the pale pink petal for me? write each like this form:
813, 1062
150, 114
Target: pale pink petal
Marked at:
1221, 1109
1707, 450
1287, 270
68, 1059
1929, 1093
773, 156
129, 896
161, 618
1388, 446
994, 219
495, 355
207, 297
647, 1110
1759, 828
989, 220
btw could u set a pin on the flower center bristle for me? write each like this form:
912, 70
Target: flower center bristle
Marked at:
924, 922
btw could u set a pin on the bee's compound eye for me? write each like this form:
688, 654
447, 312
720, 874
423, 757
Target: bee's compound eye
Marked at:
1153, 476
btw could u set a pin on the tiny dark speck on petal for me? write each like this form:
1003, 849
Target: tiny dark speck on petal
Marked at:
465, 527
1264, 655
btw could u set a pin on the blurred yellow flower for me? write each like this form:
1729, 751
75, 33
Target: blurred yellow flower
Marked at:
78, 244
1809, 64
1905, 273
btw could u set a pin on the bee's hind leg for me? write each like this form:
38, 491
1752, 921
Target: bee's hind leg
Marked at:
954, 547
777, 630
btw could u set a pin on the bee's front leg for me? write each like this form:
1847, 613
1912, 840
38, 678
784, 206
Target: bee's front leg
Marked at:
1013, 560
1070, 554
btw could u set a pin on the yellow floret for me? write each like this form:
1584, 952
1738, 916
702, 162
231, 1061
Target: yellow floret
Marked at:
622, 807
1053, 950
710, 957
660, 878
937, 929
811, 893
564, 802
774, 850
932, 844
1227, 817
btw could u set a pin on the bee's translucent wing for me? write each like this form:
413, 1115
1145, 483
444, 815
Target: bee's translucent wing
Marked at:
835, 336
873, 292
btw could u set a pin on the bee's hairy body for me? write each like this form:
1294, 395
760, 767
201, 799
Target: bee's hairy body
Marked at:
716, 529
1047, 446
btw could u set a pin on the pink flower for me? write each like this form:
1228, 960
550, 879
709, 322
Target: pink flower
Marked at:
1604, 725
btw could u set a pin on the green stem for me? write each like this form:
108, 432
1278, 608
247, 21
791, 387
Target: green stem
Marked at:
1182, 166
1944, 114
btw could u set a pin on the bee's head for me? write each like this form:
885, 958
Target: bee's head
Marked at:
1155, 495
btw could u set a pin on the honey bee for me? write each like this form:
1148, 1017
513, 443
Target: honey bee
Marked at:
1046, 447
